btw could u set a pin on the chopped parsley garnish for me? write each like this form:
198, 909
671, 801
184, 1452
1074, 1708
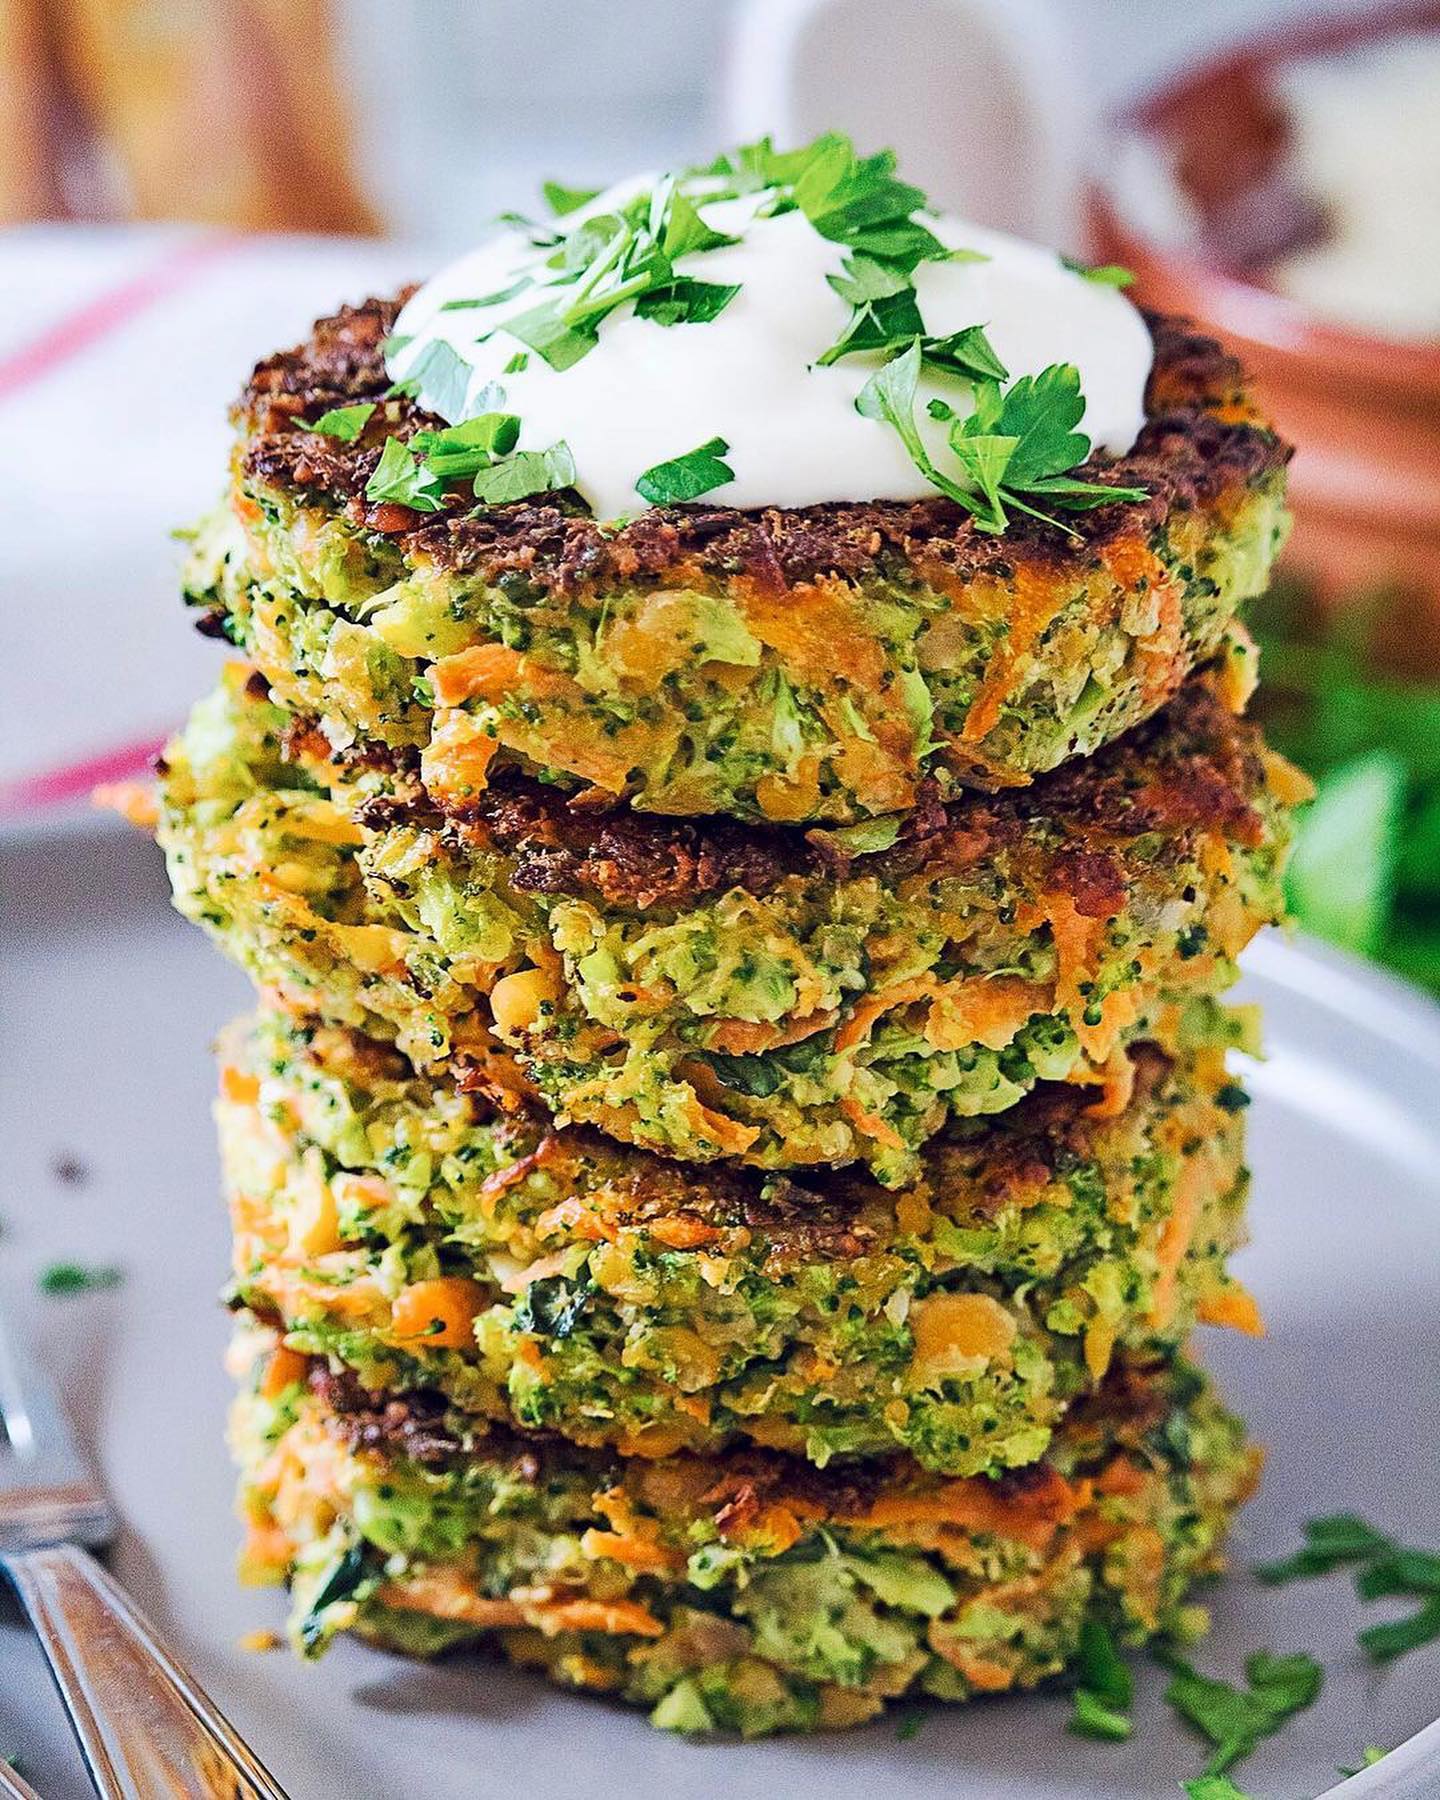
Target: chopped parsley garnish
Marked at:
1013, 450
1236, 1719
479, 450
76, 1278
517, 286
561, 199
1329, 1542
1015, 446
443, 376
525, 473
1386, 1570
344, 422
686, 477
856, 201
910, 1725
1105, 275
401, 478
1381, 1643
1093, 1718
1105, 1691
1369, 1756
968, 354
609, 258
686, 301
885, 310
1213, 1787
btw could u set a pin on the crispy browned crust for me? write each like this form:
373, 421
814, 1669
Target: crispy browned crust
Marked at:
1193, 767
1201, 441
1130, 1402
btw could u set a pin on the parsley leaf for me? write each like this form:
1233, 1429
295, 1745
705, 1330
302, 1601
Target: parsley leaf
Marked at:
1017, 441
400, 478
1213, 1787
685, 301
547, 332
1369, 1756
1329, 1542
968, 353
1399, 1571
1093, 1718
517, 286
686, 477
1387, 1569
443, 376
75, 1278
1105, 275
1102, 1699
677, 226
1100, 1666
885, 308
526, 472
561, 199
1236, 1720
1382, 1642
857, 201
460, 451
344, 422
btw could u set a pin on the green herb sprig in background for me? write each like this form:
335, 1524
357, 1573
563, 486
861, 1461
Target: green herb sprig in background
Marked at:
1366, 870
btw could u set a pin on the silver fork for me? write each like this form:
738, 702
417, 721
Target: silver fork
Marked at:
145, 1725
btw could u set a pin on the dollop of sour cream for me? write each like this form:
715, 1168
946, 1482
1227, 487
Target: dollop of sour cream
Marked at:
649, 393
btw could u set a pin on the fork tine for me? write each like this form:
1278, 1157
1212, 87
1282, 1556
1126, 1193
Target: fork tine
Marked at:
13, 1785
48, 1494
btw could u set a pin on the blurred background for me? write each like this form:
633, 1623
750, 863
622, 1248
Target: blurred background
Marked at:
185, 183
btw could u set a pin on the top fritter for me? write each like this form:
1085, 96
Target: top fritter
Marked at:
1013, 600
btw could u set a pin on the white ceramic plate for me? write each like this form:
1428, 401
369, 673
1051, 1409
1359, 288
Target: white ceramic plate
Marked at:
110, 1004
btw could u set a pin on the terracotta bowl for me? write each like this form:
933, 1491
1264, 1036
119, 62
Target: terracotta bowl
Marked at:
1364, 411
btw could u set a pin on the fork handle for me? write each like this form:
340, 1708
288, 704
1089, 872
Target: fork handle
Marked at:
144, 1723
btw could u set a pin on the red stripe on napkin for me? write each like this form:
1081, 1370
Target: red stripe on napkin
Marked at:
107, 312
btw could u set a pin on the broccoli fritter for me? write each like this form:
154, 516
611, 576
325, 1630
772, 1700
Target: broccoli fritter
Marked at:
710, 990
816, 665
415, 1234
754, 1594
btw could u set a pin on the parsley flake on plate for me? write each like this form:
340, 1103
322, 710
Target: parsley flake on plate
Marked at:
1236, 1719
1106, 1688
77, 1278
1329, 1542
1387, 1571
686, 477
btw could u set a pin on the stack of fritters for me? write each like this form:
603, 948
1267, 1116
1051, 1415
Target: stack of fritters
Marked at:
738, 1128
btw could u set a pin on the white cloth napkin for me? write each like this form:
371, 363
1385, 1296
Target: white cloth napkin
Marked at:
120, 350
